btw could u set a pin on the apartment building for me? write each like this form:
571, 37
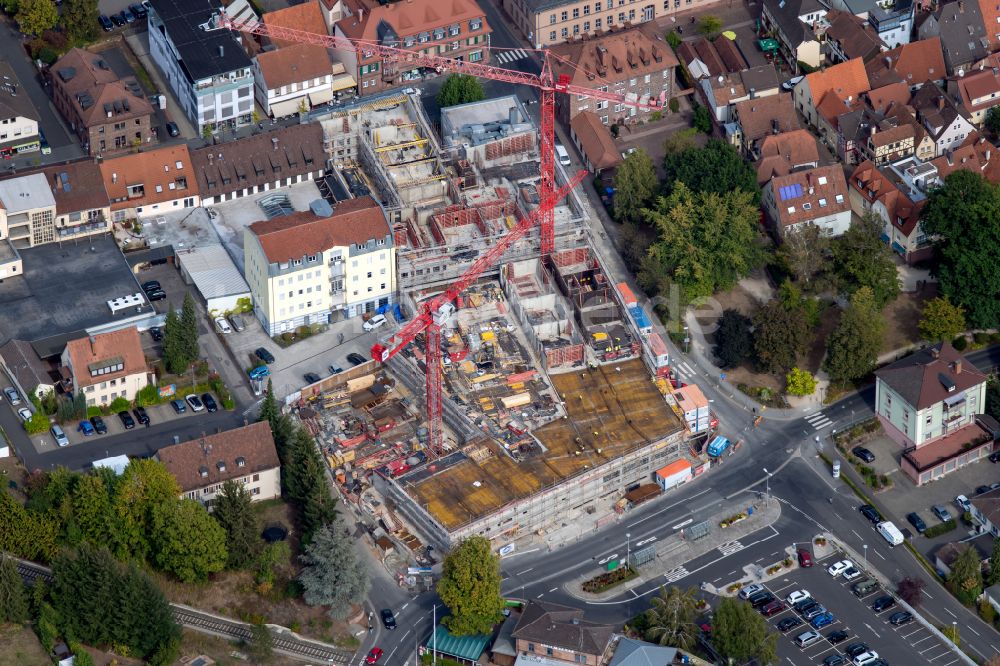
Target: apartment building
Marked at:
246, 455
82, 204
817, 196
293, 79
455, 29
930, 404
978, 91
207, 69
27, 211
897, 202
311, 266
627, 62
146, 184
106, 366
18, 117
108, 114
793, 23
557, 634
964, 36
824, 95
549, 22
947, 127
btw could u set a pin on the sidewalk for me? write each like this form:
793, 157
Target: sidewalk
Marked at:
674, 551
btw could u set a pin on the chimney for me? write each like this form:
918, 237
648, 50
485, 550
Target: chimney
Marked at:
957, 366
888, 62
361, 14
940, 103
222, 50
935, 352
987, 155
873, 129
114, 178
93, 345
274, 142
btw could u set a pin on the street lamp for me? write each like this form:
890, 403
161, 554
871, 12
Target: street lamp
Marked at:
767, 485
865, 546
628, 546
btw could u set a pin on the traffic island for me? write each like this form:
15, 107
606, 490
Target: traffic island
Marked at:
663, 563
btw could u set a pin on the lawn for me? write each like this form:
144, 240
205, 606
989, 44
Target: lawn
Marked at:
901, 319
19, 645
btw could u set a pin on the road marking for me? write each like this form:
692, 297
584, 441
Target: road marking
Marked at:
949, 662
933, 647
523, 552
992, 646
403, 607
950, 613
680, 525
524, 572
553, 589
819, 420
877, 635
915, 643
928, 596
669, 507
677, 574
731, 572
731, 547
857, 535
973, 630
717, 579
879, 554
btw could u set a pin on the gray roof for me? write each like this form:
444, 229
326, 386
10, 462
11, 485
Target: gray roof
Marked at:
25, 193
213, 271
541, 5
631, 652
562, 626
787, 12
22, 360
993, 592
760, 79
14, 101
963, 34
204, 53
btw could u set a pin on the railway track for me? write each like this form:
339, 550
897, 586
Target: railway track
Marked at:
284, 641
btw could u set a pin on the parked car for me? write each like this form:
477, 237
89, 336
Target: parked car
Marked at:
24, 413
761, 599
982, 489
863, 453
821, 620
871, 513
179, 406
963, 503
814, 612
804, 604
311, 377
854, 649
172, 129
834, 660
117, 20
772, 608
883, 603
995, 457
917, 522
127, 421
59, 435
838, 636
791, 83
141, 416
388, 619
156, 295
12, 395
865, 658
99, 425
138, 10
210, 403
901, 618
851, 573
941, 512
797, 596
748, 591
356, 358
264, 355
259, 372
156, 333
128, 15
222, 325
106, 23
86, 428
151, 285
789, 622
805, 558
195, 402
840, 567
375, 322
237, 322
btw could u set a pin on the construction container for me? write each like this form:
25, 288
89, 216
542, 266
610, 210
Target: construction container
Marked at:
519, 400
488, 336
628, 298
640, 319
674, 474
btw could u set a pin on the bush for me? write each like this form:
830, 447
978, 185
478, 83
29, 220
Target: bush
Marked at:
981, 338
608, 580
673, 39
960, 343
148, 395
674, 105
119, 404
37, 424
940, 528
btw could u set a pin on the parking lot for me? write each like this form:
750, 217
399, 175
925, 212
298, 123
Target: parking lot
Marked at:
909, 643
157, 414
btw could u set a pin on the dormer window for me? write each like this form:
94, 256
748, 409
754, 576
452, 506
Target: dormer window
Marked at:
221, 466
203, 471
241, 462
475, 24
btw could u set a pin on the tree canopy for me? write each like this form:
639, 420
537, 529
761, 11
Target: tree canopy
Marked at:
941, 320
470, 588
853, 347
799, 382
966, 578
13, 596
188, 542
965, 213
672, 618
460, 89
635, 185
861, 259
36, 16
332, 575
717, 167
742, 634
733, 339
234, 512
780, 334
803, 254
79, 20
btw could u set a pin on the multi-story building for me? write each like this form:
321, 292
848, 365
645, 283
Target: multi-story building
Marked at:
107, 113
929, 403
817, 196
940, 116
782, 154
627, 62
913, 64
978, 91
27, 211
207, 68
293, 79
18, 117
823, 95
146, 184
964, 37
850, 37
755, 119
307, 267
246, 455
82, 204
794, 23
893, 197
106, 366
458, 31
560, 635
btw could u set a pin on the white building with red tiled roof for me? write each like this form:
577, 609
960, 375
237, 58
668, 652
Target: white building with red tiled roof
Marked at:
816, 196
106, 366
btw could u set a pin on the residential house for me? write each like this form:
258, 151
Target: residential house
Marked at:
793, 24
897, 202
30, 373
547, 23
561, 635
18, 117
106, 366
593, 139
82, 205
246, 455
109, 114
701, 59
206, 67
781, 154
946, 555
824, 95
817, 196
456, 29
309, 16
990, 11
979, 91
27, 211
293, 79
886, 140
304, 267
964, 39
627, 62
630, 652
893, 21
850, 37
929, 403
912, 64
893, 94
724, 91
761, 117
146, 184
975, 154
986, 510
992, 596
940, 116
258, 163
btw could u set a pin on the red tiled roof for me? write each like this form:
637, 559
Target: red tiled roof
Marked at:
211, 460
122, 346
150, 169
607, 57
410, 18
595, 138
780, 153
983, 85
951, 445
306, 16
869, 182
294, 64
911, 63
826, 182
843, 80
926, 377
893, 93
757, 117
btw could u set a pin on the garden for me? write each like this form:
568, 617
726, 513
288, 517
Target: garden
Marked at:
609, 579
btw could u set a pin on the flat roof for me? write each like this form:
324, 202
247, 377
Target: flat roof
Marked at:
25, 193
213, 271
493, 110
203, 53
65, 288
613, 410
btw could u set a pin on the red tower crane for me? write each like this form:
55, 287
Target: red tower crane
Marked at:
435, 312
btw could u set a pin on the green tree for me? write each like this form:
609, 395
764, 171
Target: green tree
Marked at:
680, 141
941, 320
269, 410
733, 339
994, 575
13, 596
189, 329
234, 511
470, 587
952, 633
27, 534
143, 486
635, 185
717, 167
174, 354
304, 477
79, 20
965, 213
799, 382
460, 89
672, 618
260, 647
707, 241
741, 634
331, 574
187, 542
37, 424
780, 334
803, 254
709, 25
992, 122
853, 347
966, 578
36, 16
701, 119
861, 259
92, 510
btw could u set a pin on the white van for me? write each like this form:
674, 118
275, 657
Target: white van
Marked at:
890, 533
562, 155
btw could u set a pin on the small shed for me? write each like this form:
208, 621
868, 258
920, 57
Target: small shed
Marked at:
211, 270
674, 474
464, 649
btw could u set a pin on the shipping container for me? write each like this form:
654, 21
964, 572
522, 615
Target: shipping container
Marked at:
628, 298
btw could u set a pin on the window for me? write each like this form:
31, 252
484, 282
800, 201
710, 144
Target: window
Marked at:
476, 24
531, 647
552, 35
564, 32
822, 203
576, 12
822, 180
791, 209
839, 199
807, 206
586, 26
552, 19
586, 10
597, 23
564, 16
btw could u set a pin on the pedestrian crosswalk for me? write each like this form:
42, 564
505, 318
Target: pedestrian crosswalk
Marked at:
819, 420
731, 547
677, 574
683, 370
504, 57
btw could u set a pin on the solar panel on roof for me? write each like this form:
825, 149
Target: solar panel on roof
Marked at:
787, 192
